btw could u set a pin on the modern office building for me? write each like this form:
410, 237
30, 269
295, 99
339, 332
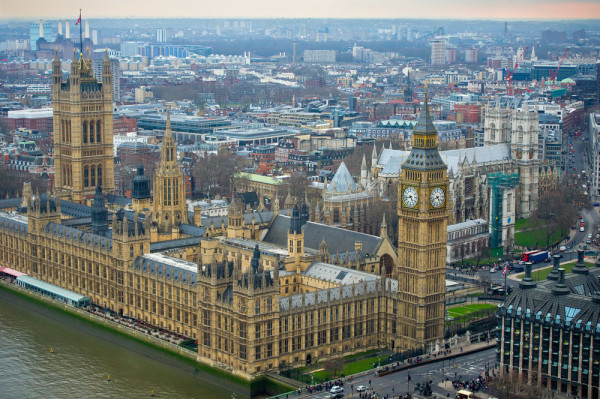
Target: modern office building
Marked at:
550, 330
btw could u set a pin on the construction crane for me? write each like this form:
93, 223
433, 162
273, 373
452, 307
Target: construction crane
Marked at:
509, 74
554, 74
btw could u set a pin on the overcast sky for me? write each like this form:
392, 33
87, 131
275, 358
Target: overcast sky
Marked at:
472, 9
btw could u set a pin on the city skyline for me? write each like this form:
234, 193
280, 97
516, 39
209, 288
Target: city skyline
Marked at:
462, 9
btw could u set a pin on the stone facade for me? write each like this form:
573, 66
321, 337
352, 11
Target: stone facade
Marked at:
83, 135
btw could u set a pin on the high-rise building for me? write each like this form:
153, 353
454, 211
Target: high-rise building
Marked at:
471, 56
422, 230
83, 136
161, 35
115, 72
438, 52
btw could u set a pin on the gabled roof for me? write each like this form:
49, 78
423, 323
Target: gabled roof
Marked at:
342, 181
338, 240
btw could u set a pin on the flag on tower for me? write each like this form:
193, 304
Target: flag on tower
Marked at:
505, 270
78, 19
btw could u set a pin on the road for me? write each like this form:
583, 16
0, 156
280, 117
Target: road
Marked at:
466, 367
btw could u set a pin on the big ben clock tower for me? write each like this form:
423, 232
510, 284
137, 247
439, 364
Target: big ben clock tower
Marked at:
422, 222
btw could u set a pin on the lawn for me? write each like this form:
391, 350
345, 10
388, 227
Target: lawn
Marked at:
464, 310
350, 368
542, 274
536, 238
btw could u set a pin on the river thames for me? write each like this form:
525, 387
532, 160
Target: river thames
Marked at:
84, 356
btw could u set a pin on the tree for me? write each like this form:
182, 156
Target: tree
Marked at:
298, 184
485, 253
510, 386
354, 161
213, 174
334, 364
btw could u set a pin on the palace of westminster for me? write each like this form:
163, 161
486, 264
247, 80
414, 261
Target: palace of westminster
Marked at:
272, 290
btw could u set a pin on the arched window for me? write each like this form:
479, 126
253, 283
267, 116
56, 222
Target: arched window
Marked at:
86, 175
98, 132
99, 175
93, 176
85, 132
91, 131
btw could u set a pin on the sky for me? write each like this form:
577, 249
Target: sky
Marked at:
436, 9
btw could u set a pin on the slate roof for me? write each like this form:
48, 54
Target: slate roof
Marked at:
192, 230
338, 240
10, 203
342, 181
165, 266
118, 200
15, 222
321, 296
173, 244
392, 160
72, 233
74, 209
337, 274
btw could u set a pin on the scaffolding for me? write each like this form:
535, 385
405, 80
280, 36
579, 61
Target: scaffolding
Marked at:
498, 183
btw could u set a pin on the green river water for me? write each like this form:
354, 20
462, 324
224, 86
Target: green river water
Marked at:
84, 356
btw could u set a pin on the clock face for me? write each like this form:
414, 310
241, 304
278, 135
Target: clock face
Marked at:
437, 197
410, 197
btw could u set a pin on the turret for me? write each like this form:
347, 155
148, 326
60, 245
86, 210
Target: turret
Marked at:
99, 214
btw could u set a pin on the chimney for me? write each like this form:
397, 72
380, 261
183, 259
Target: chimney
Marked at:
60, 28
87, 28
67, 30
41, 33
527, 281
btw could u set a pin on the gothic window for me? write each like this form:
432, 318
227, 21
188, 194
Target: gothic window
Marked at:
93, 176
99, 175
336, 215
92, 131
85, 132
520, 135
86, 176
98, 132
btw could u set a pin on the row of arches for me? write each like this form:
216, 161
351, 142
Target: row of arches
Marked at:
92, 131
92, 175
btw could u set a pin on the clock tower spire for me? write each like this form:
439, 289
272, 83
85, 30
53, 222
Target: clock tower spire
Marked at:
422, 223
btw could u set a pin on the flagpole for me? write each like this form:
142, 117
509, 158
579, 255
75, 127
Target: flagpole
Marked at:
80, 34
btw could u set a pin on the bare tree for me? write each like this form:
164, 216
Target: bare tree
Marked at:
334, 365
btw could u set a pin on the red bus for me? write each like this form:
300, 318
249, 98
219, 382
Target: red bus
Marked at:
525, 255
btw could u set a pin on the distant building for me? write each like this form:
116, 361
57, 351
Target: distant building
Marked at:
471, 56
39, 120
115, 71
438, 52
161, 35
318, 56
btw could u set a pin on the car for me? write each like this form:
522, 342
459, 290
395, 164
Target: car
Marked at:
493, 270
336, 389
562, 248
588, 241
361, 388
334, 396
590, 236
